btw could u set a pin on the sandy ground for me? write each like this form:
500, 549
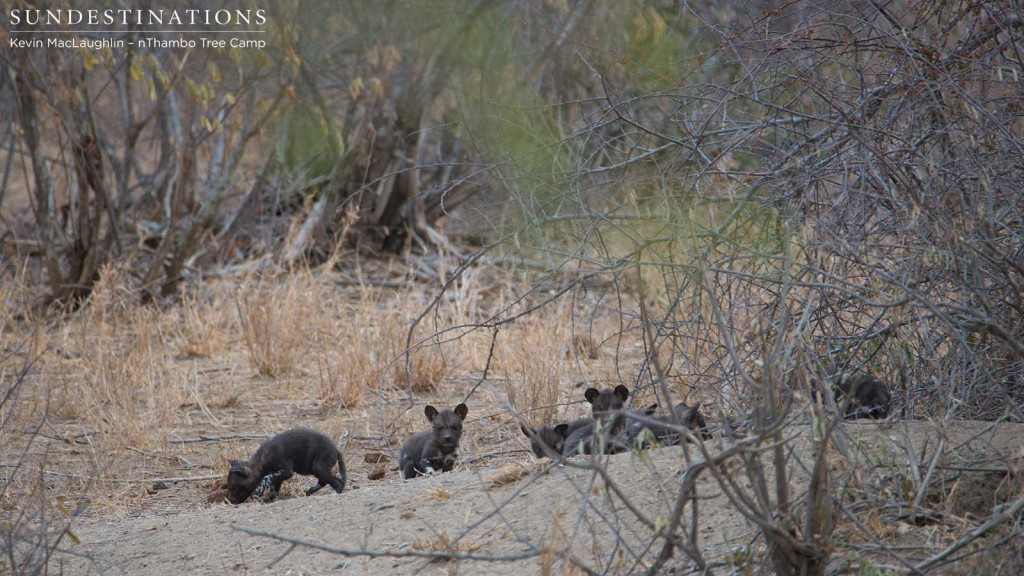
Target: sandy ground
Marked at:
524, 525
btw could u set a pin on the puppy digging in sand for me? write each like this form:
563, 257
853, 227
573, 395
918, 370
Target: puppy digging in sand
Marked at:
298, 451
436, 449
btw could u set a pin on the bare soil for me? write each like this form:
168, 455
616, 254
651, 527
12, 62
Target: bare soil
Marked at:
482, 509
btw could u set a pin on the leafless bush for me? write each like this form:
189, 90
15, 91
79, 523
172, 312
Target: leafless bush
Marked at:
835, 186
373, 155
32, 528
140, 158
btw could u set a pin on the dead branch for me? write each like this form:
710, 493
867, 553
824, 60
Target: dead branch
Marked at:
169, 479
300, 243
220, 438
1004, 513
364, 552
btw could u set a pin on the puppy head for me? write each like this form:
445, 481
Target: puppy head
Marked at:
690, 417
546, 437
447, 426
241, 481
604, 402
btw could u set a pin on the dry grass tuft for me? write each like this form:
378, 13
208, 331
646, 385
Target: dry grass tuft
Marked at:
107, 392
16, 297
427, 369
538, 355
122, 387
372, 339
555, 546
443, 543
437, 492
533, 362
369, 338
584, 347
335, 384
508, 474
274, 321
200, 328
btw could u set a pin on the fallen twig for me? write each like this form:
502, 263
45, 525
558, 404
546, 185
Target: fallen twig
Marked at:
132, 480
1003, 514
205, 438
442, 555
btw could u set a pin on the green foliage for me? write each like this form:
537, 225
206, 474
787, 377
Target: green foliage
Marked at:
307, 143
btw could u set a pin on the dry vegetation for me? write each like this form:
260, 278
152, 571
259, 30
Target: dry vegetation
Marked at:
132, 422
139, 384
506, 204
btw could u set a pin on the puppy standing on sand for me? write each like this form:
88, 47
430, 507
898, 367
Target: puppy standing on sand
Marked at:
436, 449
298, 451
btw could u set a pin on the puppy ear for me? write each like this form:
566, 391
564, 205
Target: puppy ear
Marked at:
430, 412
622, 392
562, 430
590, 394
461, 410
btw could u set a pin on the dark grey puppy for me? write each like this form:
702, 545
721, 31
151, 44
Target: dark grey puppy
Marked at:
663, 432
436, 449
594, 438
298, 451
606, 406
550, 440
603, 433
863, 395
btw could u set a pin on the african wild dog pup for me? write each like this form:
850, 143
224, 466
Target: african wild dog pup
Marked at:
682, 415
634, 422
547, 440
298, 451
690, 417
606, 407
863, 395
436, 449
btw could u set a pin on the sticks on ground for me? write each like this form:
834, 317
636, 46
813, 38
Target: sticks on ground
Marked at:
432, 555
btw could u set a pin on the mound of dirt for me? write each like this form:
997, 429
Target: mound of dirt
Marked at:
518, 519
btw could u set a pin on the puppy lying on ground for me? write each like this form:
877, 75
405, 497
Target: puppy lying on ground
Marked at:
642, 433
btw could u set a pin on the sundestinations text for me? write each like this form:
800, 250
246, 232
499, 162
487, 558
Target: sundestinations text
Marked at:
138, 17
